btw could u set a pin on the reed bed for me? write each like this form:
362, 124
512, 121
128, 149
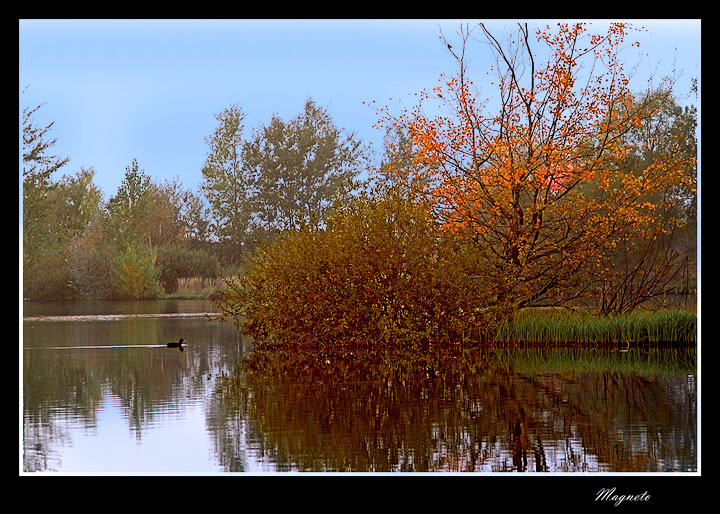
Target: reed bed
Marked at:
536, 326
198, 287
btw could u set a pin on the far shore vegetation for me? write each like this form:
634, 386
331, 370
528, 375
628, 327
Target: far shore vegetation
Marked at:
565, 212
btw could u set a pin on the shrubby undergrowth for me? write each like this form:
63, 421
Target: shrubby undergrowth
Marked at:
379, 272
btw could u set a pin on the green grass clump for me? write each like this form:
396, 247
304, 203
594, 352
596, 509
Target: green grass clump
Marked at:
536, 326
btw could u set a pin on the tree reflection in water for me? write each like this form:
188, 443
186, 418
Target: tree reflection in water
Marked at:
466, 410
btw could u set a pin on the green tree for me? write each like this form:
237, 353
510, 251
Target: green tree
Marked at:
142, 217
224, 184
134, 273
287, 174
78, 200
194, 218
55, 213
164, 224
68, 206
299, 169
38, 168
90, 260
143, 209
128, 209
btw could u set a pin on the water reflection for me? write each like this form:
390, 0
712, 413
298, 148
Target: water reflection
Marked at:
97, 389
103, 393
480, 411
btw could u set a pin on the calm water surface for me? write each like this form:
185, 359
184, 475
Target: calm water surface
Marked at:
102, 394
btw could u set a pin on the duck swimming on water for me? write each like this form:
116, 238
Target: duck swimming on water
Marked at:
176, 345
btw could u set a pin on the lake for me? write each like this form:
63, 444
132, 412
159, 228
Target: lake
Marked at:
102, 394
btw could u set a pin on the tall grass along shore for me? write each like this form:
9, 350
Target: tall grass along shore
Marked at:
538, 326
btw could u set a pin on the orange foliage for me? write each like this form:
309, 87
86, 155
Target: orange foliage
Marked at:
538, 183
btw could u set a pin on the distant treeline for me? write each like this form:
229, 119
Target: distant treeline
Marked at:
144, 238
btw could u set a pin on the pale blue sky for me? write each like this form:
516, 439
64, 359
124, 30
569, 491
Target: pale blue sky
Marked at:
149, 89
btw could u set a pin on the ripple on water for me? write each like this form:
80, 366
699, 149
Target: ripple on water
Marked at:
113, 317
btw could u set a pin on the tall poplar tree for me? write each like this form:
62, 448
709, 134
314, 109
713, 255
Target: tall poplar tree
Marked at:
299, 168
224, 184
286, 175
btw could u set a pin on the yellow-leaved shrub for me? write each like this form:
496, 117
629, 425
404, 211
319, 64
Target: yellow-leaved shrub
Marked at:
379, 272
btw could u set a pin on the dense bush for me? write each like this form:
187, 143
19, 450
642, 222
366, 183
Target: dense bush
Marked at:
379, 272
46, 276
90, 262
177, 262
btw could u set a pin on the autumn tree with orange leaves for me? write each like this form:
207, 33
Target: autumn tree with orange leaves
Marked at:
541, 180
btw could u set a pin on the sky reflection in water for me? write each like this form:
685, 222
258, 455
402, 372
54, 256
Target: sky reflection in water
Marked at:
125, 404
